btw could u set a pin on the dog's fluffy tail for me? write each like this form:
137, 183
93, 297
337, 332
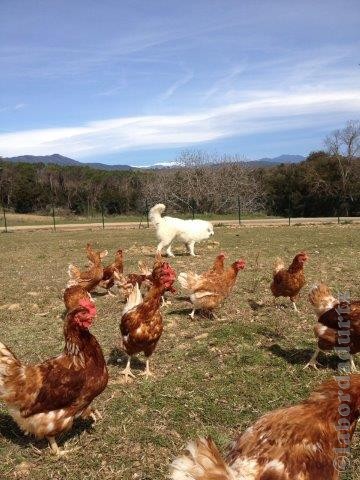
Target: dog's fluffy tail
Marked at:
155, 213
203, 462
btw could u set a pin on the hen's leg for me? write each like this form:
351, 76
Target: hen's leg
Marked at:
55, 447
58, 451
312, 361
127, 370
92, 413
352, 364
147, 372
294, 305
192, 314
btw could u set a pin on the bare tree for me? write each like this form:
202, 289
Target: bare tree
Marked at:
210, 182
344, 145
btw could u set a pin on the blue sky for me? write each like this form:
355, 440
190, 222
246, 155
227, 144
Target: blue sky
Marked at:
139, 81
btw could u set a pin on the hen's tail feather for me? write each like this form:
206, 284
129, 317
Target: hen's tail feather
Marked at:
278, 265
155, 212
7, 363
134, 299
73, 272
74, 275
202, 462
144, 268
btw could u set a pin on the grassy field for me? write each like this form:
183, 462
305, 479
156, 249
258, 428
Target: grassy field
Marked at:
213, 377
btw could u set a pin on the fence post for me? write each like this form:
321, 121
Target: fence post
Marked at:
193, 208
102, 216
239, 209
5, 222
53, 215
289, 209
147, 212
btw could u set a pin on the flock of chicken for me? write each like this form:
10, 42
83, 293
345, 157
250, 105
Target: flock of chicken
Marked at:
290, 443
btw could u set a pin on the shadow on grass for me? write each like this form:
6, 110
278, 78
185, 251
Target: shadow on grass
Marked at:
302, 356
183, 298
254, 305
100, 294
10, 430
180, 311
119, 358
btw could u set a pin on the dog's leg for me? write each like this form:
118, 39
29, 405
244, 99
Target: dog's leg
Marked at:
191, 248
161, 246
169, 252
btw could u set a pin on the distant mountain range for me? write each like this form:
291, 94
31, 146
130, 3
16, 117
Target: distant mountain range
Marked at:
66, 161
270, 162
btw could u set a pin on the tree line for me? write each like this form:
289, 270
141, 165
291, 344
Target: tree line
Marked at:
326, 183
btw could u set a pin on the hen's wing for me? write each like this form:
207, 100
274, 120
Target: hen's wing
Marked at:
339, 313
134, 299
32, 389
190, 281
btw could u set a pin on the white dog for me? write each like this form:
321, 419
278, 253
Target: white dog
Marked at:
170, 228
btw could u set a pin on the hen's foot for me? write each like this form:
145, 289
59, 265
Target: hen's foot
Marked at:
127, 373
58, 451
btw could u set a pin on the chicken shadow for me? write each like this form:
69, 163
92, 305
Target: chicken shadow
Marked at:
119, 359
99, 294
301, 356
11, 431
179, 311
254, 305
182, 298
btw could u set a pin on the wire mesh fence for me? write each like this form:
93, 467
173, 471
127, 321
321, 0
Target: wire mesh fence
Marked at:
54, 221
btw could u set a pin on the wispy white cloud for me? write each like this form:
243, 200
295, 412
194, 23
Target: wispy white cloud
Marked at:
169, 92
259, 113
7, 108
225, 82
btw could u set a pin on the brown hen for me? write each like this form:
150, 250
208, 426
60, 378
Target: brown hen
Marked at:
209, 290
287, 282
338, 326
44, 399
90, 278
308, 441
141, 323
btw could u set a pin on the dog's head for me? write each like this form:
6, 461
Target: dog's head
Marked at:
210, 229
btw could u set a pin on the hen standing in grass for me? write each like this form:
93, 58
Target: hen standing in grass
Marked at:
141, 323
338, 323
88, 279
45, 399
209, 290
109, 278
288, 282
307, 441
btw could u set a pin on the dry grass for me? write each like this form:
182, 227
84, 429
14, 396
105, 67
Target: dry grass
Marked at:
212, 376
